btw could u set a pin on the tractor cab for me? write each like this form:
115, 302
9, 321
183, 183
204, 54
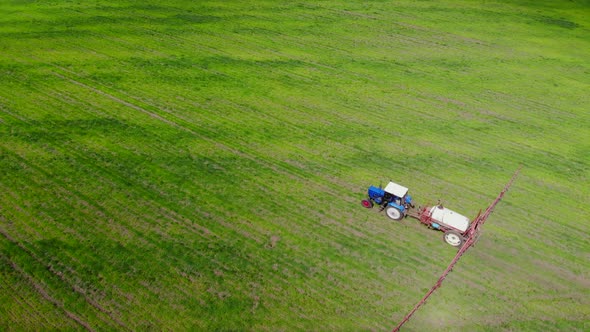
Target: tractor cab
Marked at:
394, 199
398, 194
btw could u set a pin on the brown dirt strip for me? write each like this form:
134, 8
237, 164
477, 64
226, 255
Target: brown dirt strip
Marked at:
23, 301
60, 275
5, 109
44, 293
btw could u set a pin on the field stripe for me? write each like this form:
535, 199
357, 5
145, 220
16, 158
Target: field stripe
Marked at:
61, 277
41, 290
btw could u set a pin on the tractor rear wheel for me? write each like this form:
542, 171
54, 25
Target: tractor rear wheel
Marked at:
367, 203
453, 238
394, 213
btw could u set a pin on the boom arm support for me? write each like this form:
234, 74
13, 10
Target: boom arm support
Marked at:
472, 234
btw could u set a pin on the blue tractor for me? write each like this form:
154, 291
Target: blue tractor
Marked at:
394, 199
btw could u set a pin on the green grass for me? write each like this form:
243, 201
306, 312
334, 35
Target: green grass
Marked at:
199, 165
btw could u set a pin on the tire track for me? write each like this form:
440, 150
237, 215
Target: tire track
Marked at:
61, 277
23, 301
39, 288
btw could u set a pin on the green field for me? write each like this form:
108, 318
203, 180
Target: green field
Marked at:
199, 165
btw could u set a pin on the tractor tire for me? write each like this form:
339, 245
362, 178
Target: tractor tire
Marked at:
453, 238
367, 203
394, 213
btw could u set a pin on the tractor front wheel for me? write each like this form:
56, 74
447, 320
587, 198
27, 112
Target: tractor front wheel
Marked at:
394, 213
453, 238
367, 203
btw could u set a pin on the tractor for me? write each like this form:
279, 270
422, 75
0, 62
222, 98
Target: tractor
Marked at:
397, 203
394, 199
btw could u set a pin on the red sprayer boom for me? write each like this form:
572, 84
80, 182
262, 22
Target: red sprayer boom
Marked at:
472, 234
